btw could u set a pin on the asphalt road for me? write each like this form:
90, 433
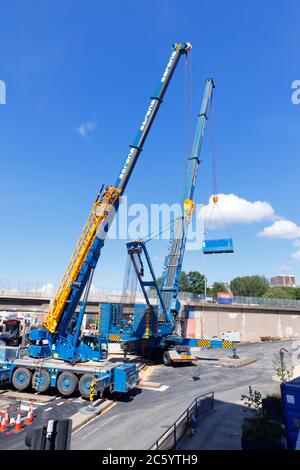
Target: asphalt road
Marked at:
139, 420
58, 408
138, 423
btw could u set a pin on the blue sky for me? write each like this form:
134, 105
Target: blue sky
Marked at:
68, 63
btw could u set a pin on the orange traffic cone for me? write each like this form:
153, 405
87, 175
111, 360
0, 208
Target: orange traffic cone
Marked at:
18, 426
29, 419
3, 424
0, 420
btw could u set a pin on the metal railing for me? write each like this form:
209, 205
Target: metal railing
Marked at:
199, 407
109, 294
266, 302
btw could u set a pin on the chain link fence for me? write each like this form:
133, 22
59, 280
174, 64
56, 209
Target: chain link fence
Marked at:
109, 294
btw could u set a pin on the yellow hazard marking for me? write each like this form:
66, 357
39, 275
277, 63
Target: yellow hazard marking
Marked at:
93, 392
114, 338
227, 344
204, 343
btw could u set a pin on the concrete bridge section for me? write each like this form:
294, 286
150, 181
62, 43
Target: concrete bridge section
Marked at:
199, 319
253, 322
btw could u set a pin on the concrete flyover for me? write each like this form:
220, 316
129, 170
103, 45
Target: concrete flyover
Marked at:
252, 321
199, 319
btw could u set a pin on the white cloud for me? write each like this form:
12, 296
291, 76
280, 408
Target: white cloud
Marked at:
236, 210
296, 255
283, 229
85, 128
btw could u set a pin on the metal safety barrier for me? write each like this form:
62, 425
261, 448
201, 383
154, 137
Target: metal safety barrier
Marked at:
199, 407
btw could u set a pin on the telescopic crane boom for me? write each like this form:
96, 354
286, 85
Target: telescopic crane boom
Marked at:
63, 323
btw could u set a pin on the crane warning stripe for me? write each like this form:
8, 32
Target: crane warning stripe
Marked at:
203, 342
114, 338
228, 344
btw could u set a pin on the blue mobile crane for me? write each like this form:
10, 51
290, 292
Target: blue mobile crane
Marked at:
59, 355
153, 332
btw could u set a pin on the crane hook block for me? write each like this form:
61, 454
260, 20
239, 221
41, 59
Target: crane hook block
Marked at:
188, 208
182, 46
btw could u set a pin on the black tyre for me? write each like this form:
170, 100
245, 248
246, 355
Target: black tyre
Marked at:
21, 378
85, 385
67, 383
41, 380
166, 358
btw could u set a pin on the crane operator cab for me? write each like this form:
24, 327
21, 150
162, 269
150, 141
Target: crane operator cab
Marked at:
95, 346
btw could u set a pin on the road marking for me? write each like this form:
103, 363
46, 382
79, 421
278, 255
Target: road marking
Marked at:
99, 427
48, 409
58, 404
96, 417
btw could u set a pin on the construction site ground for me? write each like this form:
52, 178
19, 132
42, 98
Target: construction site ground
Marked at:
136, 421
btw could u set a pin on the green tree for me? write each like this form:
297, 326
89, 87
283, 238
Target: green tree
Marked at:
192, 282
297, 293
280, 292
196, 282
218, 287
183, 282
255, 286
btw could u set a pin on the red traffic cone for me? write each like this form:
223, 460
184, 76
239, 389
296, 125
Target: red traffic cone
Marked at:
0, 420
18, 426
3, 424
29, 419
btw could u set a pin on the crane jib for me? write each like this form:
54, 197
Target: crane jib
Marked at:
156, 100
174, 259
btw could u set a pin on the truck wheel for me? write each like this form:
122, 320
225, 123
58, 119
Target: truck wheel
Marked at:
41, 380
67, 383
166, 358
85, 384
21, 378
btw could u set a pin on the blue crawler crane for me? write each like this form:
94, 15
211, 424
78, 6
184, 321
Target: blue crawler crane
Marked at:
153, 332
58, 355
